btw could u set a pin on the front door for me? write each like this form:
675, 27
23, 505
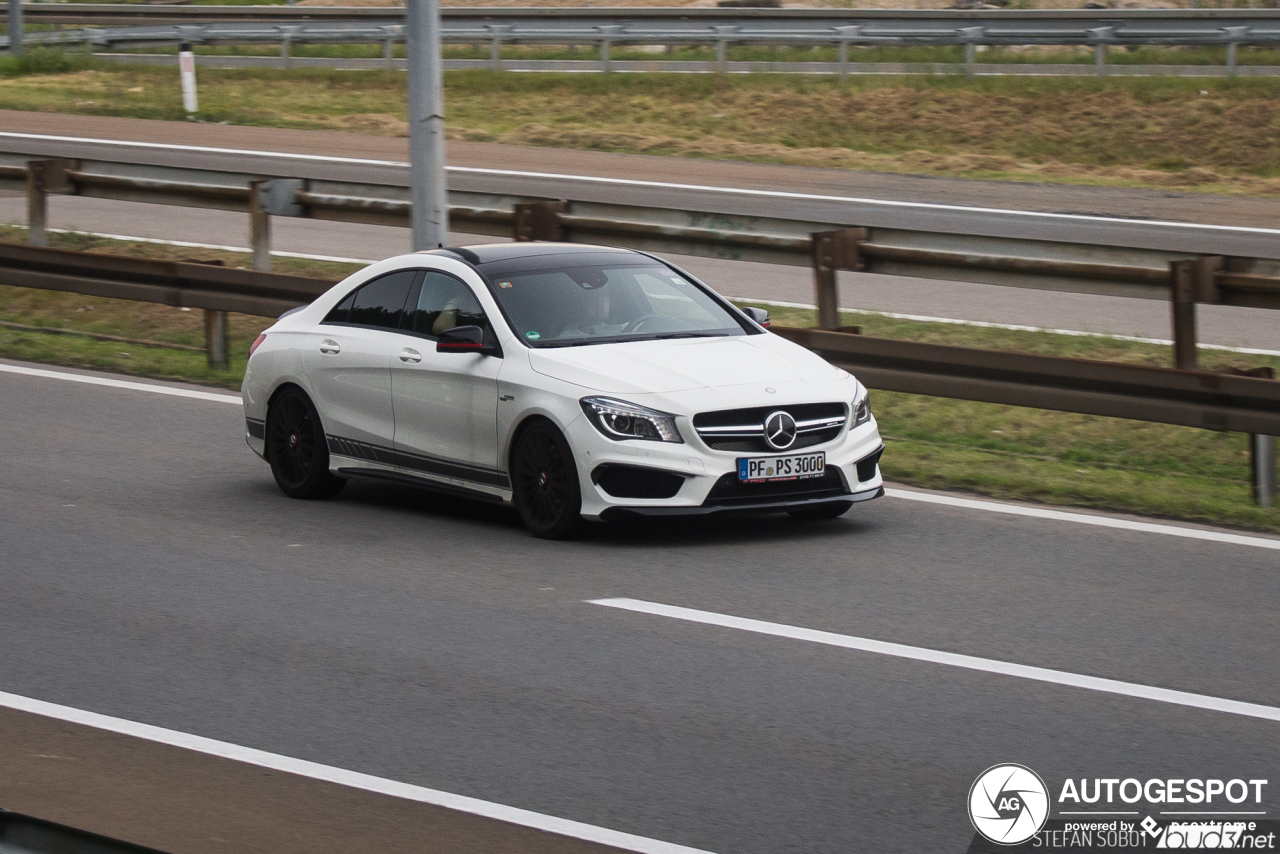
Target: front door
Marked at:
446, 404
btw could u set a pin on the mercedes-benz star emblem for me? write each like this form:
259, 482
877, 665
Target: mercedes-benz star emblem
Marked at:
780, 430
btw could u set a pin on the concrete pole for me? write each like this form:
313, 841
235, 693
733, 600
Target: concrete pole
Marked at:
426, 125
15, 27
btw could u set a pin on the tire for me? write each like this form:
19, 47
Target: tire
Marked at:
545, 483
297, 450
822, 511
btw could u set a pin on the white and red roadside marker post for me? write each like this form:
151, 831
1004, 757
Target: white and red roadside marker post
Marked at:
187, 69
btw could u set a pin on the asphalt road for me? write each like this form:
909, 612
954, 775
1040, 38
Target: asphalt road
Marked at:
1143, 318
152, 571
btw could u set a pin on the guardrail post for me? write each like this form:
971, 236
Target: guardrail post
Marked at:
1262, 468
1183, 307
37, 206
539, 221
1099, 36
832, 251
842, 46
260, 225
606, 46
495, 44
722, 47
1191, 281
286, 45
43, 177
1237, 35
389, 36
215, 338
970, 35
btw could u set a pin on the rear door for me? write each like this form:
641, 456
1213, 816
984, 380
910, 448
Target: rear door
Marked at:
349, 367
446, 404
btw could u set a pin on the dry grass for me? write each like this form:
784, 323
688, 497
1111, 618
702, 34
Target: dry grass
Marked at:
1221, 136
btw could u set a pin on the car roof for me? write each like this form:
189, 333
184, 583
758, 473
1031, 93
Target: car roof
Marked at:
494, 254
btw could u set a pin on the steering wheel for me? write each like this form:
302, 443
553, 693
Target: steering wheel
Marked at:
634, 326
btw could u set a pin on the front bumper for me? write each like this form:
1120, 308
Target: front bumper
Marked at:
708, 478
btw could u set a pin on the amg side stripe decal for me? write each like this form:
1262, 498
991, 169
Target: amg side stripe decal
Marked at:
416, 462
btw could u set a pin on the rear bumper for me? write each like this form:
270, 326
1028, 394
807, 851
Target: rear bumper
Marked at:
762, 506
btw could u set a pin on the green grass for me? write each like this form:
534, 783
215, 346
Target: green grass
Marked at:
1001, 451
1210, 135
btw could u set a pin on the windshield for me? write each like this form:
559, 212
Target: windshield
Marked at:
595, 304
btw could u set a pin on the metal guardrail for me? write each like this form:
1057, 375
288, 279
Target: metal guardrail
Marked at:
287, 26
1148, 270
1201, 399
116, 13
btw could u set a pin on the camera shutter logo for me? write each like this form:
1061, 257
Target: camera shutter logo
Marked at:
1008, 804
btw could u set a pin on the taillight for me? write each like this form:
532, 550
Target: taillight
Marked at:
256, 344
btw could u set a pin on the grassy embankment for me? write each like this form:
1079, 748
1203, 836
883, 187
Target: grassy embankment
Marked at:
1219, 135
1003, 451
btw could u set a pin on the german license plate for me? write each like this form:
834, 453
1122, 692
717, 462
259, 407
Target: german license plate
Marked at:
795, 467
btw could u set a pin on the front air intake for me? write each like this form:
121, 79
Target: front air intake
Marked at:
623, 481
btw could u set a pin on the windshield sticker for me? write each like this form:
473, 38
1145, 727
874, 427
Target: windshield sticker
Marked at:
533, 335
504, 285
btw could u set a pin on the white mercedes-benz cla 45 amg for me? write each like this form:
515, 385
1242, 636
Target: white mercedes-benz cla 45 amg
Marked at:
575, 382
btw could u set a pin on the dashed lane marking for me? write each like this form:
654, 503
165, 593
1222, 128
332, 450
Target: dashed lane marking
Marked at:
950, 659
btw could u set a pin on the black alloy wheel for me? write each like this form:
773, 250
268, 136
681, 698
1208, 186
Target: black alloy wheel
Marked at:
822, 511
297, 450
545, 483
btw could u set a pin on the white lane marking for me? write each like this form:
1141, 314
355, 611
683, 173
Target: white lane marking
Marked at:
664, 185
343, 777
1086, 519
125, 384
950, 659
986, 324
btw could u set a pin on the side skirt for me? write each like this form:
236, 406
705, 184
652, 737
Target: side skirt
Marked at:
433, 485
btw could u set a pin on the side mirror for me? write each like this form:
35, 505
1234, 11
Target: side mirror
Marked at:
759, 315
464, 339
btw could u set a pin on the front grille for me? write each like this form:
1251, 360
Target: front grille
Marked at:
750, 437
730, 492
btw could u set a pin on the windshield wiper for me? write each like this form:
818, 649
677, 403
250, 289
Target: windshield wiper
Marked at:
670, 335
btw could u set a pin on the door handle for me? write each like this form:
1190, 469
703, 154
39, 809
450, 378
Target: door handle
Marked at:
330, 347
413, 356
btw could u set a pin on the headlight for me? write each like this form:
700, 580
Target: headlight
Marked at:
861, 410
618, 419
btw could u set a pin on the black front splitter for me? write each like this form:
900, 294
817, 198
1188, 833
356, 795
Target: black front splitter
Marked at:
754, 507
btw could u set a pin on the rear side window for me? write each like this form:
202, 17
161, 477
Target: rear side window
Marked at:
443, 303
342, 311
380, 303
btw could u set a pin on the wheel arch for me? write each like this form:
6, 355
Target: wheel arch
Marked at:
528, 420
286, 386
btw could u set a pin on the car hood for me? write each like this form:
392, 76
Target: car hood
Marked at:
663, 367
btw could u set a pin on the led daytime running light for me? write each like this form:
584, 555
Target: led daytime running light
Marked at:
861, 411
618, 419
